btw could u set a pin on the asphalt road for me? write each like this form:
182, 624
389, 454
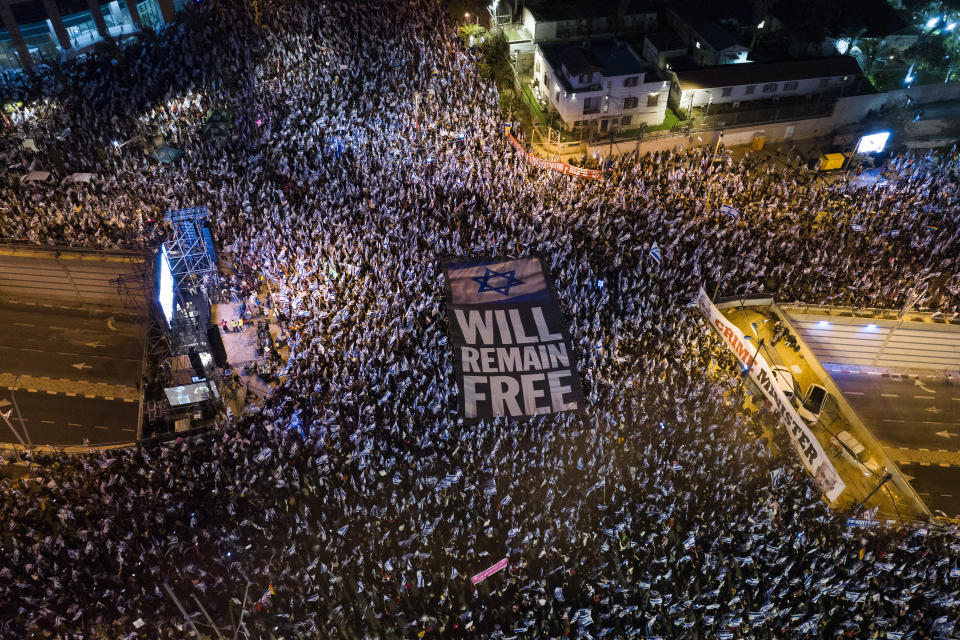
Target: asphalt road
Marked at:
62, 355
64, 420
901, 413
924, 417
939, 487
60, 343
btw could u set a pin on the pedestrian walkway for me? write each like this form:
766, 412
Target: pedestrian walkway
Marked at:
926, 457
69, 387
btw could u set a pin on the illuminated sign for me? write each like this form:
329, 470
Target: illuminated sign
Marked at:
873, 142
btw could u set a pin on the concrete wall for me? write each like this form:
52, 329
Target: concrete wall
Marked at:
72, 278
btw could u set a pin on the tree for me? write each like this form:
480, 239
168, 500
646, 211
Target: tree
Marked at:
928, 54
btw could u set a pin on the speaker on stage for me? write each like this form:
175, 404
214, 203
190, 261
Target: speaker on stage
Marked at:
216, 346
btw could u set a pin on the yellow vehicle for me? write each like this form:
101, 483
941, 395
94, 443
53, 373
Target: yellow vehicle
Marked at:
833, 161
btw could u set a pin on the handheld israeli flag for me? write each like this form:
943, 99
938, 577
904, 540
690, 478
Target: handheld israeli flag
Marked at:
655, 253
730, 210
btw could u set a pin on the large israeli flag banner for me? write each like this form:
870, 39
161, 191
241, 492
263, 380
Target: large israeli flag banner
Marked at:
512, 349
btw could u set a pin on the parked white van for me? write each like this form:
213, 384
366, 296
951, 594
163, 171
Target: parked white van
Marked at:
854, 451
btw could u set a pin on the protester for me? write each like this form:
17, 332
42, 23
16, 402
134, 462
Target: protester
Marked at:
355, 503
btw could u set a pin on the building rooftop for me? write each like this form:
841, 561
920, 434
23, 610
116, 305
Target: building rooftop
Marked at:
554, 10
732, 75
666, 41
608, 57
713, 34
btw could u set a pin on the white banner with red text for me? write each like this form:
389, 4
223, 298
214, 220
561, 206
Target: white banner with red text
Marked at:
808, 448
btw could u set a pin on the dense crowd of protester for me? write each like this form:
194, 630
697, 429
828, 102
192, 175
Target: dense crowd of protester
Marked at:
364, 146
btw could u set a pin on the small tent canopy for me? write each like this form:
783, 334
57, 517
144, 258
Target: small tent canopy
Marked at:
79, 177
35, 176
166, 154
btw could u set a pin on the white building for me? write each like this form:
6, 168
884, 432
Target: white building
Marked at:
764, 80
601, 87
558, 20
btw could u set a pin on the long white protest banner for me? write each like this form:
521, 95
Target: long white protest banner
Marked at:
808, 448
512, 352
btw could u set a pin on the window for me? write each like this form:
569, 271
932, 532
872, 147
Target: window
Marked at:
625, 120
631, 82
556, 98
631, 102
583, 78
824, 82
537, 70
591, 105
750, 89
653, 99
604, 125
727, 92
770, 87
790, 86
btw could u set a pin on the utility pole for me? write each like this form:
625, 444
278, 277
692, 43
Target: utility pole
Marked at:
176, 601
870, 495
716, 148
13, 398
6, 419
753, 359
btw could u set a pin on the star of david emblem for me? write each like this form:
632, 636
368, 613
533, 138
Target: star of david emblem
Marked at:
497, 281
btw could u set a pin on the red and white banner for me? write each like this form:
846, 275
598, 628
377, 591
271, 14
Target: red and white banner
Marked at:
486, 573
555, 165
808, 447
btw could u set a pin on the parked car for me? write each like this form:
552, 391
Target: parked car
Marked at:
854, 451
812, 404
784, 380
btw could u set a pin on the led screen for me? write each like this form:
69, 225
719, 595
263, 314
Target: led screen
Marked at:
873, 142
187, 394
166, 287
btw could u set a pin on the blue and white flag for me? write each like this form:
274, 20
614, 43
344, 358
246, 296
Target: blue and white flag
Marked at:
655, 253
730, 210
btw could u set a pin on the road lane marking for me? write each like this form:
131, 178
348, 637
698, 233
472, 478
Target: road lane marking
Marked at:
23, 324
74, 424
130, 430
925, 397
99, 427
946, 495
891, 420
889, 395
48, 422
854, 393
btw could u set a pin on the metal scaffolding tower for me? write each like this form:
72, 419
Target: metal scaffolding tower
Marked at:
193, 259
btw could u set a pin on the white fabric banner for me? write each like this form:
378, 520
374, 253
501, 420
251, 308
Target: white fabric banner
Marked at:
808, 448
